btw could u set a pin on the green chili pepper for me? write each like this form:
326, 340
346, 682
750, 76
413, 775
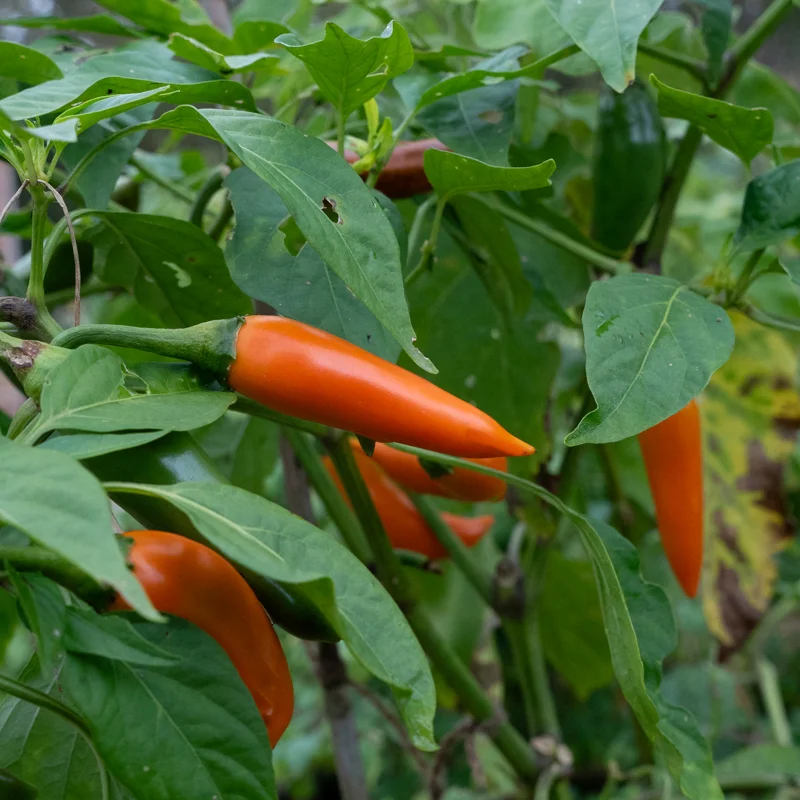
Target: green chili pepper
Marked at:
176, 458
629, 160
12, 788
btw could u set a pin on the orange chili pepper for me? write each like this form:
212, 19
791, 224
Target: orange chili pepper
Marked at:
191, 581
673, 457
405, 526
460, 484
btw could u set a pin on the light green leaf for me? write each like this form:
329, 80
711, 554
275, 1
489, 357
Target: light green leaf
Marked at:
26, 64
608, 31
651, 346
350, 71
761, 759
269, 540
72, 517
90, 445
743, 131
771, 210
451, 174
191, 727
92, 111
791, 266
202, 55
86, 393
66, 131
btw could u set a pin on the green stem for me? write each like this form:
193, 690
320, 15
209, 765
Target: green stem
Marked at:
429, 246
416, 227
444, 658
35, 293
247, 406
691, 65
26, 413
172, 188
745, 279
30, 167
773, 702
42, 700
212, 185
517, 635
752, 39
341, 514
340, 133
544, 696
211, 345
221, 222
567, 243
765, 318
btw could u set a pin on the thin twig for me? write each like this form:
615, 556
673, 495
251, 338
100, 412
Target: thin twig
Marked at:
76, 257
447, 743
14, 198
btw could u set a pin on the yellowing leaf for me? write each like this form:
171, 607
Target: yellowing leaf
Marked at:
751, 412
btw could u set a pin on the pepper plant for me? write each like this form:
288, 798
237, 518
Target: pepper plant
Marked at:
461, 338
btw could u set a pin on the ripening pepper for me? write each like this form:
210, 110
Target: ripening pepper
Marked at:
404, 525
191, 581
176, 458
404, 173
304, 372
629, 163
460, 484
673, 458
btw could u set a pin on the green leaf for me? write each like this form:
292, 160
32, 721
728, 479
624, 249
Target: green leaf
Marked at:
252, 35
165, 17
136, 67
202, 55
451, 174
90, 445
93, 23
66, 131
72, 517
743, 131
298, 286
791, 266
93, 111
26, 64
176, 269
191, 728
608, 31
716, 27
44, 749
270, 541
86, 393
571, 625
350, 71
651, 346
771, 210
761, 759
112, 637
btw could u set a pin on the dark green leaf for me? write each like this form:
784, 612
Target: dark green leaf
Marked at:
651, 346
72, 517
164, 17
298, 286
204, 56
771, 211
716, 27
86, 393
94, 23
112, 637
451, 174
571, 625
89, 445
349, 71
191, 728
26, 64
177, 270
608, 31
743, 131
269, 540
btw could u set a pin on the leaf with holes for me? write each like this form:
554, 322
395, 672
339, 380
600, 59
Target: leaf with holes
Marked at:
269, 540
608, 31
350, 71
651, 346
743, 131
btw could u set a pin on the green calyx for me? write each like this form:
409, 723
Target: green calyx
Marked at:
209, 345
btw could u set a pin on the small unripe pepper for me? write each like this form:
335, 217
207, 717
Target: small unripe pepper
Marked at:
673, 457
404, 525
191, 581
304, 372
460, 484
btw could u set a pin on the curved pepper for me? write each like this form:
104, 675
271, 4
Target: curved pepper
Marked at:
460, 484
405, 526
191, 581
304, 372
673, 457
629, 161
404, 173
176, 458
